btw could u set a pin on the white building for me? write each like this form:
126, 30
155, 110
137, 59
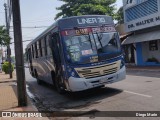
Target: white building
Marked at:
142, 17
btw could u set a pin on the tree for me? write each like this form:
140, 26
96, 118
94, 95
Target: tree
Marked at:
5, 67
4, 37
86, 7
119, 16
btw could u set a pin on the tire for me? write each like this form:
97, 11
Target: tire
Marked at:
59, 87
102, 86
53, 78
39, 82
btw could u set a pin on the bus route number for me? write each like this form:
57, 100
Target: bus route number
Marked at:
91, 20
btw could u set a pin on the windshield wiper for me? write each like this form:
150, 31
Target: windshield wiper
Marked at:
95, 42
89, 39
99, 39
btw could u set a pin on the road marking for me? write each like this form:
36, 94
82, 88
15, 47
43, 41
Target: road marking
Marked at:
137, 94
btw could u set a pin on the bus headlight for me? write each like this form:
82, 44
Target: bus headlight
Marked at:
73, 74
122, 64
69, 70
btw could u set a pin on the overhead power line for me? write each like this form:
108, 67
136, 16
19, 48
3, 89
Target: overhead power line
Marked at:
27, 40
29, 27
22, 41
37, 21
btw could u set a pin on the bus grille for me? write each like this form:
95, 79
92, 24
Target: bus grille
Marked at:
98, 71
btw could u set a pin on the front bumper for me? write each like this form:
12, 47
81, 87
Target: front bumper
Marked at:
80, 84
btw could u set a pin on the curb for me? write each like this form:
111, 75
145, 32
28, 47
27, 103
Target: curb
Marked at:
149, 70
8, 81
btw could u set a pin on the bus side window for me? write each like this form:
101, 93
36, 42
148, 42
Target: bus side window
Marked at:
36, 51
48, 46
32, 49
40, 48
45, 40
44, 47
54, 43
29, 55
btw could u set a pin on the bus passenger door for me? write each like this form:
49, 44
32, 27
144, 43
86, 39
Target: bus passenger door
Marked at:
55, 50
55, 47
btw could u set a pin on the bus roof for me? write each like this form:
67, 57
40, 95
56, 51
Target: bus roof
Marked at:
76, 21
54, 25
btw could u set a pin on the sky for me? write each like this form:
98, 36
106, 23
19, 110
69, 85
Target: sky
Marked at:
35, 13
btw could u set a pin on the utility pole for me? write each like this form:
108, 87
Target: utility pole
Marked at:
21, 84
8, 46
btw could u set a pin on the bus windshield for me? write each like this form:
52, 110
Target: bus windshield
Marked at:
81, 48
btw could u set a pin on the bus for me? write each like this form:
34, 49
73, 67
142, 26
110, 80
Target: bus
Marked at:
77, 53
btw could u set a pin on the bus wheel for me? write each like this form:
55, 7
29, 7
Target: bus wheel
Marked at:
39, 82
53, 78
59, 88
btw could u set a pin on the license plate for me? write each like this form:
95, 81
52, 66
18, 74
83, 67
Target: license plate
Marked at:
103, 80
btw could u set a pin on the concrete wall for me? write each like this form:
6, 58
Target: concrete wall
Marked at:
146, 53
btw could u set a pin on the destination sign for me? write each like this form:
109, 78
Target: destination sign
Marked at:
82, 31
75, 32
91, 20
85, 21
104, 29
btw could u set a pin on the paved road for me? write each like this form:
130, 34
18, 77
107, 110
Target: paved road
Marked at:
139, 92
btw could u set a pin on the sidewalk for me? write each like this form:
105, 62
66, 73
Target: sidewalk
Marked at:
143, 68
8, 92
5, 77
8, 98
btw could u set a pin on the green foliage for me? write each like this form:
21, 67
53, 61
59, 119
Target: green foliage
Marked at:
86, 7
4, 37
13, 58
119, 16
5, 67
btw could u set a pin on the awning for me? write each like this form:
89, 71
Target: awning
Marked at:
154, 35
123, 37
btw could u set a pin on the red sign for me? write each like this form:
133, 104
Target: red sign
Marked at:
82, 31
104, 29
